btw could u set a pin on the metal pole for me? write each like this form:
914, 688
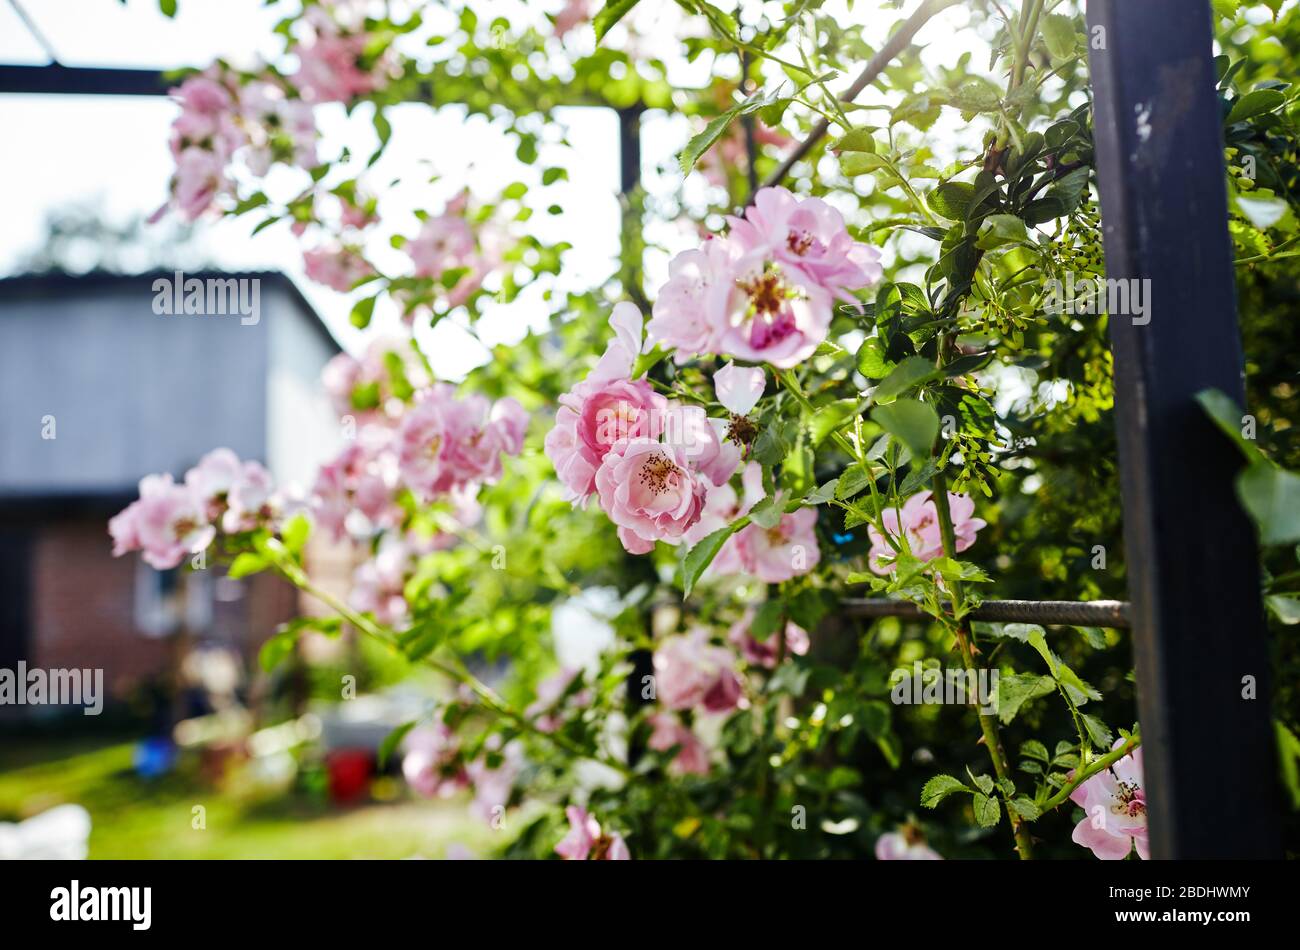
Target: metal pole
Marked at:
1198, 622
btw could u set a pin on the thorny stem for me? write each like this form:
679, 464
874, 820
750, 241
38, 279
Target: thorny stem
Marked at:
1099, 764
961, 630
456, 670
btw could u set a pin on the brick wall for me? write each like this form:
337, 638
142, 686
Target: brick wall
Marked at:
83, 608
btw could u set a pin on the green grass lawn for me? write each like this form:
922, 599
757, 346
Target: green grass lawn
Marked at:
139, 818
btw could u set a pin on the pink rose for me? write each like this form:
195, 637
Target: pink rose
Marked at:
739, 388
338, 268
774, 312
686, 315
363, 478
692, 757
378, 584
166, 523
445, 443
1115, 806
690, 672
493, 785
919, 521
573, 14
650, 490
781, 553
585, 840
430, 753
251, 499
763, 652
606, 407
544, 712
212, 479
200, 177
444, 243
904, 846
810, 235
329, 61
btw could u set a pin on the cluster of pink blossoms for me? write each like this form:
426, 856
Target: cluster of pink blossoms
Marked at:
171, 520
226, 116
223, 118
694, 675
433, 766
650, 461
433, 445
454, 254
587, 842
918, 522
333, 63
662, 470
766, 291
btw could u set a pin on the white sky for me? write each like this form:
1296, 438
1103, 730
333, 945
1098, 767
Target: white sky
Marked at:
63, 150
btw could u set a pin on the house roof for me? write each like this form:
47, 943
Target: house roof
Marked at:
59, 283
126, 389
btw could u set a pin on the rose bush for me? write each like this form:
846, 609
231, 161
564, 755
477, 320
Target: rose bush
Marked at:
852, 382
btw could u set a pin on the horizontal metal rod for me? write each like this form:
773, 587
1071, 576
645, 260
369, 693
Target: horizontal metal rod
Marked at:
56, 79
1083, 613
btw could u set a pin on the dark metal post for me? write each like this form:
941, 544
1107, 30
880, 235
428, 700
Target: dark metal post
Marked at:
1194, 582
631, 198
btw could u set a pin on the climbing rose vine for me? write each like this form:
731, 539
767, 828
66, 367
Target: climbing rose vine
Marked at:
847, 381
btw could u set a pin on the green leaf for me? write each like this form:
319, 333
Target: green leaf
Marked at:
1025, 808
1255, 103
278, 648
951, 199
1227, 415
1033, 749
939, 788
872, 361
910, 421
167, 7
1226, 8
823, 493
362, 311
767, 513
1098, 732
392, 741
295, 533
702, 142
852, 481
856, 140
1288, 753
611, 13
648, 361
988, 811
1070, 188
908, 374
1272, 496
861, 163
1058, 34
246, 564
1286, 609
698, 558
767, 619
999, 229
829, 418
1016, 689
775, 441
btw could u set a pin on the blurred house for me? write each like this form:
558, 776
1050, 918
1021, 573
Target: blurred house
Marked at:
98, 388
